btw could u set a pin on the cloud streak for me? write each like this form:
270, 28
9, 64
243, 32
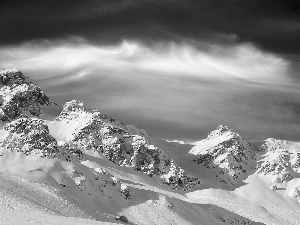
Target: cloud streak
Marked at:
172, 90
242, 61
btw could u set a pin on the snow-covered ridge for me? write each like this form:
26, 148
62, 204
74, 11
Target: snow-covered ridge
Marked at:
13, 76
92, 166
29, 136
281, 162
19, 96
120, 143
215, 137
226, 152
75, 110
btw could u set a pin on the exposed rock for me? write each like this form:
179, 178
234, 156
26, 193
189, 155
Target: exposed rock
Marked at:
19, 96
125, 192
295, 194
9, 77
95, 131
278, 161
295, 162
31, 137
71, 152
226, 151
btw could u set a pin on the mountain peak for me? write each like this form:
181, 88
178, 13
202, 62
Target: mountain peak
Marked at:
12, 76
75, 109
30, 136
224, 151
19, 96
220, 131
72, 106
223, 128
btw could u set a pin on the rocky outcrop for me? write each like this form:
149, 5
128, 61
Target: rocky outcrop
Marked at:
29, 136
224, 151
279, 161
295, 193
295, 162
70, 152
276, 162
19, 96
9, 77
95, 131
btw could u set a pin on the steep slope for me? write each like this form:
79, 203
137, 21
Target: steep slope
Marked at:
226, 154
89, 186
19, 96
29, 136
269, 191
122, 144
28, 149
280, 164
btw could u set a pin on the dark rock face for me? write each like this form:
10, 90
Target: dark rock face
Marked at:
31, 137
12, 76
19, 96
71, 152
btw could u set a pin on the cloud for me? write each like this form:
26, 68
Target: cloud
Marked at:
172, 90
242, 61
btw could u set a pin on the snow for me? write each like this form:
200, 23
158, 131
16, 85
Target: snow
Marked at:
12, 70
14, 217
86, 168
215, 138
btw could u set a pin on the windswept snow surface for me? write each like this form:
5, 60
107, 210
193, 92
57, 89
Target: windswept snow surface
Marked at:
45, 188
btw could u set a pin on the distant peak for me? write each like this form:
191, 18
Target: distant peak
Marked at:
20, 95
74, 105
11, 70
12, 76
219, 131
72, 109
222, 128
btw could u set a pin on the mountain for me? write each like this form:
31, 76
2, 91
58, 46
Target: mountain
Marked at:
20, 96
226, 153
280, 163
121, 144
84, 167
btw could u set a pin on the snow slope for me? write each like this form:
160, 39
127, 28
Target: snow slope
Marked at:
226, 154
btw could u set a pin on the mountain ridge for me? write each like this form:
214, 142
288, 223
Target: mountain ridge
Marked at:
112, 172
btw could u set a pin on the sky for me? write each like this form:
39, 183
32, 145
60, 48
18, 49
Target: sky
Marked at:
175, 68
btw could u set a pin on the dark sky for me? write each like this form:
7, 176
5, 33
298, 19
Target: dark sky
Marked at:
176, 68
271, 24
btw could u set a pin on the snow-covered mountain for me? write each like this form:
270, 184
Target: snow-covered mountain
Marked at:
20, 96
280, 163
226, 153
93, 169
124, 145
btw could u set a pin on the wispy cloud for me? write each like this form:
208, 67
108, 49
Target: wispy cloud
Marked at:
242, 61
173, 90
